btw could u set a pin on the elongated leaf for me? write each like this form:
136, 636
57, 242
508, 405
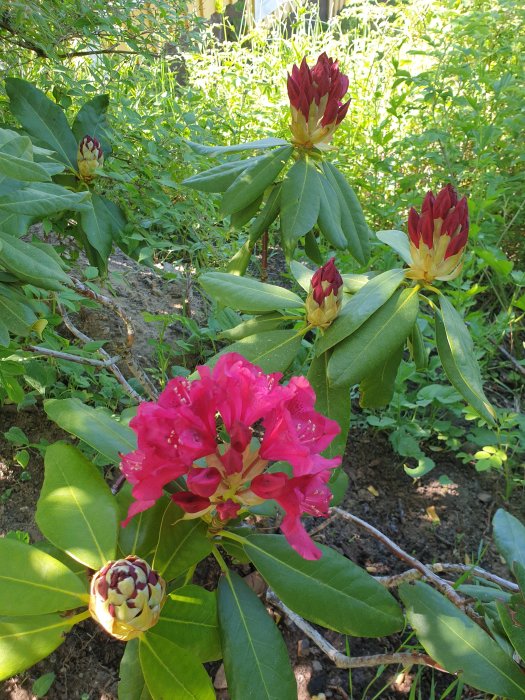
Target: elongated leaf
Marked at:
219, 178
356, 212
359, 605
42, 119
132, 685
512, 618
141, 534
302, 274
272, 351
239, 218
41, 199
416, 344
509, 536
31, 264
249, 633
254, 180
257, 324
365, 350
245, 294
376, 389
329, 220
357, 244
4, 334
398, 241
332, 403
260, 144
34, 583
240, 261
18, 317
98, 226
76, 511
361, 306
311, 248
92, 425
267, 215
353, 283
456, 351
189, 617
300, 199
172, 672
22, 169
26, 640
181, 543
91, 120
459, 645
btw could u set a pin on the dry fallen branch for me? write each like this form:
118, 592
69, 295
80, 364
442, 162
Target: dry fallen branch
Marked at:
72, 358
476, 571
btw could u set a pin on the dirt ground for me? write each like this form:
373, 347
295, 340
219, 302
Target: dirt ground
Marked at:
435, 522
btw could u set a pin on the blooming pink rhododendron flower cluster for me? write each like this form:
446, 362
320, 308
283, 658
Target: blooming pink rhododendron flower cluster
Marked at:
315, 101
180, 435
438, 236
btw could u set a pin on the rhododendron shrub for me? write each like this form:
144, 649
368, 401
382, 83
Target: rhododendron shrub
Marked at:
222, 432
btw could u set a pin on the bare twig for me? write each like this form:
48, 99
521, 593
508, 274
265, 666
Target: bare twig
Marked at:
509, 357
72, 358
110, 304
478, 572
340, 659
426, 572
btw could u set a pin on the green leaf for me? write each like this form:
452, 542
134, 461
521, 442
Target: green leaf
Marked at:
238, 264
17, 317
302, 274
456, 351
132, 685
359, 605
257, 324
367, 348
22, 169
42, 684
331, 402
91, 120
102, 222
190, 615
141, 534
267, 215
251, 183
92, 425
399, 242
245, 294
370, 297
260, 144
459, 644
172, 672
4, 334
512, 618
219, 178
42, 119
181, 543
30, 264
376, 389
26, 640
76, 510
299, 203
239, 218
353, 283
329, 220
509, 536
356, 238
255, 656
311, 248
418, 351
36, 581
272, 351
35, 201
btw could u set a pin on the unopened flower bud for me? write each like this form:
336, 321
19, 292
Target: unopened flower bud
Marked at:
89, 157
315, 102
438, 236
127, 597
324, 298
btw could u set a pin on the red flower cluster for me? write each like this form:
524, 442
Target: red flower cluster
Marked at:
438, 236
180, 435
315, 99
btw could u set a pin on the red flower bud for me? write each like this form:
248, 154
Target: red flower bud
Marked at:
89, 157
324, 299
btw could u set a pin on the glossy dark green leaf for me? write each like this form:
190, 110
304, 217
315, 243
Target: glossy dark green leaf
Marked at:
512, 617
329, 220
172, 672
267, 215
31, 264
365, 351
91, 120
354, 207
17, 317
311, 248
459, 644
43, 120
189, 618
251, 183
99, 225
76, 510
95, 426
456, 351
141, 534
132, 685
359, 605
255, 656
22, 169
257, 324
418, 351
246, 294
26, 640
181, 543
36, 581
259, 145
370, 297
272, 351
239, 218
300, 197
376, 389
332, 402
509, 536
219, 178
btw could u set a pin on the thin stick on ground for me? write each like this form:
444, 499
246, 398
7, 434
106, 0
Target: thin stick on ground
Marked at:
472, 571
341, 660
59, 355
